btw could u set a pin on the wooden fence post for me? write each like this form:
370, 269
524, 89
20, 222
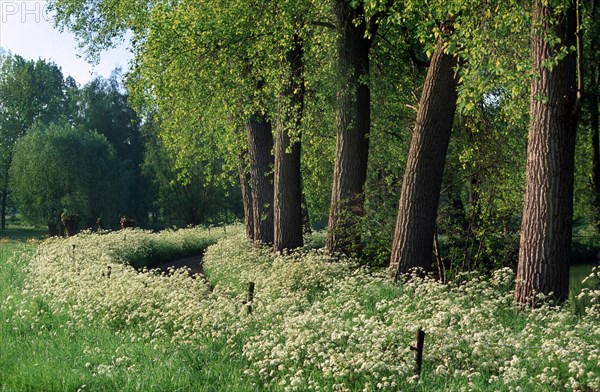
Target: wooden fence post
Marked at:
250, 297
418, 349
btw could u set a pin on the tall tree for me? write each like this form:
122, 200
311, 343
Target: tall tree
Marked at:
260, 147
546, 228
415, 226
288, 219
593, 70
58, 168
103, 106
353, 121
30, 91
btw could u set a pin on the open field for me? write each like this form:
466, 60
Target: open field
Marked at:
69, 323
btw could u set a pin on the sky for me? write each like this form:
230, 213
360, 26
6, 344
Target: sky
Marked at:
26, 29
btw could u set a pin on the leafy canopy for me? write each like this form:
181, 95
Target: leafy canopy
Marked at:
59, 168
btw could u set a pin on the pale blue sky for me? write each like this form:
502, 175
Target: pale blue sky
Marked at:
26, 30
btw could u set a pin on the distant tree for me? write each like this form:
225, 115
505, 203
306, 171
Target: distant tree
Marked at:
102, 105
29, 91
58, 169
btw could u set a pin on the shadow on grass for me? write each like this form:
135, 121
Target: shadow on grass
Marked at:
23, 233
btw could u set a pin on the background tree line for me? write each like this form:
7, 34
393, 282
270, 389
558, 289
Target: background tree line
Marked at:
77, 150
401, 126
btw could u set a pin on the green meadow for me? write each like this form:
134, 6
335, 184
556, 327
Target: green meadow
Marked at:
315, 322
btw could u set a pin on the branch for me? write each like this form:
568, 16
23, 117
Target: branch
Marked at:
413, 57
329, 25
411, 52
372, 25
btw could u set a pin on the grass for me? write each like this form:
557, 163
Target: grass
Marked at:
67, 359
22, 233
317, 324
41, 349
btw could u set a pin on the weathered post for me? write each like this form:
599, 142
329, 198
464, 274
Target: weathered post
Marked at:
100, 224
418, 349
250, 297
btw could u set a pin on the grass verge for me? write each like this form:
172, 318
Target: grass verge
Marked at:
43, 348
316, 323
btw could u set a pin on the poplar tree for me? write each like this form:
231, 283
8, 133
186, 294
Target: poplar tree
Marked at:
546, 229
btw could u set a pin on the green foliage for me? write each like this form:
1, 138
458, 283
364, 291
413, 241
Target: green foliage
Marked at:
29, 91
144, 250
583, 195
586, 244
197, 71
187, 198
103, 106
481, 202
57, 167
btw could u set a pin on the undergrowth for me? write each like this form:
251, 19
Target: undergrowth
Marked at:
315, 323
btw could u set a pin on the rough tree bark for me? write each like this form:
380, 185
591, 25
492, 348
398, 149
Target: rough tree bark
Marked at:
3, 209
545, 251
288, 181
412, 246
593, 109
353, 126
260, 146
244, 176
592, 101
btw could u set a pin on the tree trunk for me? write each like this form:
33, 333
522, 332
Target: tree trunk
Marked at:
53, 230
244, 175
260, 146
306, 227
353, 126
474, 219
419, 197
593, 109
3, 212
70, 227
288, 184
545, 252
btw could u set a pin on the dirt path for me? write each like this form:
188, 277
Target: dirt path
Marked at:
193, 262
